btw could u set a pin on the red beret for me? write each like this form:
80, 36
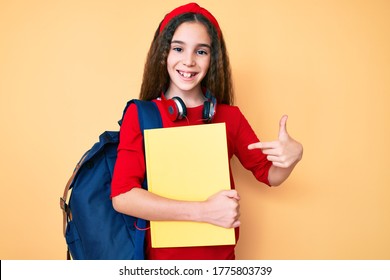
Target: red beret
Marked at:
190, 8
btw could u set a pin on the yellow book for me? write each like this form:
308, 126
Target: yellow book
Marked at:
187, 163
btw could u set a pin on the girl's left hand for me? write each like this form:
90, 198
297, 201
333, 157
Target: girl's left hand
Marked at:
284, 152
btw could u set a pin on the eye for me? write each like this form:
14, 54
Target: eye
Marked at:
201, 52
177, 49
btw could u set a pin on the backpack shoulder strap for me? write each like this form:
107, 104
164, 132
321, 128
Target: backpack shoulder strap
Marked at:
149, 117
64, 199
148, 114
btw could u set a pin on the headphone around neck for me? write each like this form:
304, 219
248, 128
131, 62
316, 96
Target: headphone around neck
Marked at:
177, 110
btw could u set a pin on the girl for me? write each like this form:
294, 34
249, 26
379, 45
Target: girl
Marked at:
187, 73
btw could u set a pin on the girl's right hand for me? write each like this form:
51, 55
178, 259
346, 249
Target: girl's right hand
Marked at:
222, 209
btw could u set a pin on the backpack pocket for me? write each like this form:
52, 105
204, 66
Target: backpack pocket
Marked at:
74, 242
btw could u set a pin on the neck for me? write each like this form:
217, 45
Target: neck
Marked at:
191, 98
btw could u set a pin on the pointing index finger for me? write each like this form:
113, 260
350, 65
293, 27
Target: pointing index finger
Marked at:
263, 145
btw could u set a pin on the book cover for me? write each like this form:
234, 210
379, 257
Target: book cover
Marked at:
187, 163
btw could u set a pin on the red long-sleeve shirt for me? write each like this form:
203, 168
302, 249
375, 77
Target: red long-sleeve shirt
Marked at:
130, 167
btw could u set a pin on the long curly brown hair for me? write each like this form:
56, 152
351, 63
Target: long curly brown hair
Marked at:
218, 79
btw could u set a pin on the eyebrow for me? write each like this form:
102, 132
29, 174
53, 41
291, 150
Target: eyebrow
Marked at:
183, 43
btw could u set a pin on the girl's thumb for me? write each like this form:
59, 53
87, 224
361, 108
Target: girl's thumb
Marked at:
232, 194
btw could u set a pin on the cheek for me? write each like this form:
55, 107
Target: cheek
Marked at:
206, 65
169, 61
170, 66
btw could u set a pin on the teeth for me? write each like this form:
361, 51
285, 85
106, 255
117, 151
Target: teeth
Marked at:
186, 75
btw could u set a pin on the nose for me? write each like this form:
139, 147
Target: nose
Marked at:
189, 60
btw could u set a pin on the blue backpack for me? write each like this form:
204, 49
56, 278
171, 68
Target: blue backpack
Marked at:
92, 228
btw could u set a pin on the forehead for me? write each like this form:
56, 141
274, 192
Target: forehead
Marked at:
192, 32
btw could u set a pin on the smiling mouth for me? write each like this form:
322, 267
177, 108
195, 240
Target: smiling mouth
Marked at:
187, 74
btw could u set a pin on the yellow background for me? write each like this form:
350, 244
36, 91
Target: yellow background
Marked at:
67, 69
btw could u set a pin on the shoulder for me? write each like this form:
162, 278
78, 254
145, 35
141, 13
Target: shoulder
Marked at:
234, 119
236, 122
136, 109
228, 113
227, 110
130, 113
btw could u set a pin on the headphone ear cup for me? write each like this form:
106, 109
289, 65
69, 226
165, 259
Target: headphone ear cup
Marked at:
206, 111
171, 109
181, 107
